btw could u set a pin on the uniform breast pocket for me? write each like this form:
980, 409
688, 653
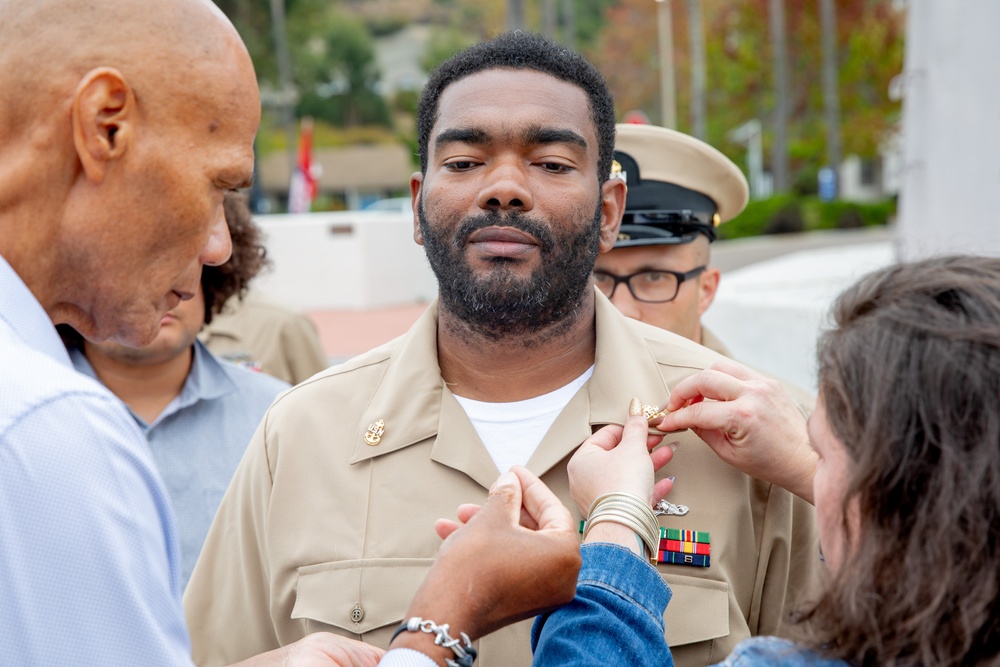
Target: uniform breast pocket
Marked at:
698, 610
358, 597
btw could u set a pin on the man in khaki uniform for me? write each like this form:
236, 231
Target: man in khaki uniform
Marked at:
328, 522
680, 190
260, 333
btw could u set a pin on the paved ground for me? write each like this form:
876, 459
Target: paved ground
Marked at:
731, 255
345, 333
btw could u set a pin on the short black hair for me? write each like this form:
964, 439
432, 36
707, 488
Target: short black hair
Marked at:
219, 283
523, 50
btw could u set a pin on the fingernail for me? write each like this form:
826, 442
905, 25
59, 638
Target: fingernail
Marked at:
506, 479
672, 478
634, 407
673, 445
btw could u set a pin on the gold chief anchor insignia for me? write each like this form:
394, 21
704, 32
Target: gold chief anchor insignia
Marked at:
653, 414
374, 434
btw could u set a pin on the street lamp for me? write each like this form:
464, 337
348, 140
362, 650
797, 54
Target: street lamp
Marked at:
668, 102
750, 134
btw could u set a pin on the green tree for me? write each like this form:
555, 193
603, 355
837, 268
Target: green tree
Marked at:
334, 66
333, 58
470, 21
739, 73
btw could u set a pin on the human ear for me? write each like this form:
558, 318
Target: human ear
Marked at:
612, 209
102, 116
708, 285
416, 183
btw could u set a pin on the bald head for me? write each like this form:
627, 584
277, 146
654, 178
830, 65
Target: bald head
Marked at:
122, 125
48, 45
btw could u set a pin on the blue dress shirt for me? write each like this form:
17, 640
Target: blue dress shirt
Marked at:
200, 437
89, 560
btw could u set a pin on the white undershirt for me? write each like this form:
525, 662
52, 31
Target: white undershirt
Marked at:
512, 431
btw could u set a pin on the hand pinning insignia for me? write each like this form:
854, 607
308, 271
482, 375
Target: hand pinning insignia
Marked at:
653, 414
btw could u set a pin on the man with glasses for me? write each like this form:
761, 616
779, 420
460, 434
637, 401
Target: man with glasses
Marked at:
679, 190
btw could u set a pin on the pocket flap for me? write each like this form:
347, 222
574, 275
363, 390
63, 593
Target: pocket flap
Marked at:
698, 610
381, 588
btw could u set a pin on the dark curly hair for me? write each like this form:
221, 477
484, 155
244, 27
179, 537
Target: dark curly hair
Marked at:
910, 378
219, 283
522, 50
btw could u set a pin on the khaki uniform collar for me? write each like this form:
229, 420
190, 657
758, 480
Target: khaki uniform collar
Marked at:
625, 366
712, 342
408, 395
416, 405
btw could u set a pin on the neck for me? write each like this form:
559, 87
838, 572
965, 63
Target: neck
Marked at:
146, 388
699, 333
517, 367
35, 265
34, 184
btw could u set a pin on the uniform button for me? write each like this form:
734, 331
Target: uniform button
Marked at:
357, 614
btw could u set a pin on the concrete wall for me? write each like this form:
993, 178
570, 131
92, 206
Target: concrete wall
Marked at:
770, 314
951, 129
344, 260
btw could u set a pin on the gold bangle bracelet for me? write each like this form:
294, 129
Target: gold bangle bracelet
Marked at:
630, 511
631, 503
649, 526
628, 522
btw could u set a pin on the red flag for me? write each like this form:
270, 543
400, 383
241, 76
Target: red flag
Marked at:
303, 188
636, 117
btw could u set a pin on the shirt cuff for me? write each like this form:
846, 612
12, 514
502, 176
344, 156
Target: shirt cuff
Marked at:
405, 657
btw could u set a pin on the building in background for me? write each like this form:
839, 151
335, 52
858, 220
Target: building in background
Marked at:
351, 176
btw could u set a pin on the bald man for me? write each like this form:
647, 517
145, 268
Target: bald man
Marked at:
122, 125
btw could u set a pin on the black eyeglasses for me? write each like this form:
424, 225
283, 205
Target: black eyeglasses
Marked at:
650, 286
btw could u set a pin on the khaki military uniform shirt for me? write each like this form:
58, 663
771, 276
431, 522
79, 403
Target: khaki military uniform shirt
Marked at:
322, 531
266, 336
712, 342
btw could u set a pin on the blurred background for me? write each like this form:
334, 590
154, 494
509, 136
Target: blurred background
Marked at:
869, 131
786, 88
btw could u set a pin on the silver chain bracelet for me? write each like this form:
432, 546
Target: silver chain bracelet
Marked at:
466, 654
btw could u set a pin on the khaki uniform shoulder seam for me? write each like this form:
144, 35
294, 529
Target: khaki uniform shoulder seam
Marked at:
670, 349
376, 357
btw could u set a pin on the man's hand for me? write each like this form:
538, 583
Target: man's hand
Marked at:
320, 649
493, 571
618, 458
749, 421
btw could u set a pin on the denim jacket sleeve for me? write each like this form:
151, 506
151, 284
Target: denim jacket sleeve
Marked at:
616, 617
775, 652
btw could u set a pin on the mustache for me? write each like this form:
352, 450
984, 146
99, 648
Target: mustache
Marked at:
512, 219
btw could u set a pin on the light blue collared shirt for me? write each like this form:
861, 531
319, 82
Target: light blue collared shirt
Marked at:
200, 437
89, 560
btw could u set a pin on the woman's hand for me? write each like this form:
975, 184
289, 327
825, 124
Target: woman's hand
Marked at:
749, 421
617, 458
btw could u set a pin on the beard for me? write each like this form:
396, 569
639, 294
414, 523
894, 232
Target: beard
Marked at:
502, 303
